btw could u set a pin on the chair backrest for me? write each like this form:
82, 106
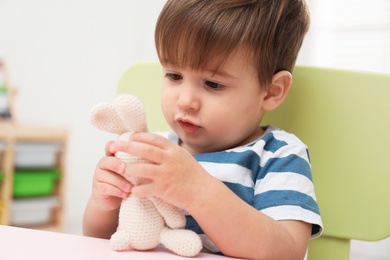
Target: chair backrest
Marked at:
343, 116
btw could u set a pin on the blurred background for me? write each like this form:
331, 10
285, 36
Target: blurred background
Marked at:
64, 56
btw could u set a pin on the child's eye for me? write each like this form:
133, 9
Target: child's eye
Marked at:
174, 77
213, 85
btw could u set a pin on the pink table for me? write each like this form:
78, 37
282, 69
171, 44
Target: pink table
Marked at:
20, 244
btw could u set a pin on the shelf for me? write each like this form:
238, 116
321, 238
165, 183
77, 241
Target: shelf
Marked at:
31, 133
27, 176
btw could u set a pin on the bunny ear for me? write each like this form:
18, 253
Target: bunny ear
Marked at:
104, 117
132, 112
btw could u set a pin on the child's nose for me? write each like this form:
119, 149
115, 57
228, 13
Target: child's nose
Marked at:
188, 98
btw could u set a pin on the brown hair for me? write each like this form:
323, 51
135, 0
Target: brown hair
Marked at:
189, 33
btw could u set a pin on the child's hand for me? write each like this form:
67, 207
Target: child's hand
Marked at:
174, 174
109, 186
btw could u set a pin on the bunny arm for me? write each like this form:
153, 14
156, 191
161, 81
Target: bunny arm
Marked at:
173, 217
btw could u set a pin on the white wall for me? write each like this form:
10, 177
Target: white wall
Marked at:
349, 34
64, 56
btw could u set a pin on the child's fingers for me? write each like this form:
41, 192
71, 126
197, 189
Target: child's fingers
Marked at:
145, 170
144, 190
108, 202
150, 138
146, 151
107, 190
157, 184
108, 149
112, 164
107, 181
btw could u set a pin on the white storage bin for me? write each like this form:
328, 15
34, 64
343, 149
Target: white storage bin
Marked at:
36, 155
32, 211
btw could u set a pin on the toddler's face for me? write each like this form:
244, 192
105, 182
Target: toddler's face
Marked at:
213, 111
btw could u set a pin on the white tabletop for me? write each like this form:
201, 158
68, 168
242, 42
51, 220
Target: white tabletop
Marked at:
21, 244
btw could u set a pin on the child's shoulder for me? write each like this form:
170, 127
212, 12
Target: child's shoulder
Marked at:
273, 134
274, 139
277, 143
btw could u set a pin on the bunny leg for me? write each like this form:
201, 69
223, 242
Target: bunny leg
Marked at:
120, 241
181, 241
139, 226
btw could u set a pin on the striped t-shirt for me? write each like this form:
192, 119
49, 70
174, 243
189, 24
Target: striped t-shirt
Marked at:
272, 174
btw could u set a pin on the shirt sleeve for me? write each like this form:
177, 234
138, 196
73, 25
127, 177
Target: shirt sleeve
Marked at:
284, 188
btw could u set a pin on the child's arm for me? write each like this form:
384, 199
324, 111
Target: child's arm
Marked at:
240, 230
98, 222
234, 226
109, 187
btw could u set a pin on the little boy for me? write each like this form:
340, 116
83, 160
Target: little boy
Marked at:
247, 190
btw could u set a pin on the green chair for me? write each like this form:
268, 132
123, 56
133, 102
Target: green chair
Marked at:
344, 118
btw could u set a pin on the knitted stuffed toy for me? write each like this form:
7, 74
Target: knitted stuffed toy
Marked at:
144, 223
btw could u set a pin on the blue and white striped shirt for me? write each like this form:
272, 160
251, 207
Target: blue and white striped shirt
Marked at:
272, 174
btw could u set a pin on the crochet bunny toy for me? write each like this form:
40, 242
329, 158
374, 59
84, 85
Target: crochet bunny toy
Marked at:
146, 222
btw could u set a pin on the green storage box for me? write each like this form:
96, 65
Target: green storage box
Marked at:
32, 183
1, 175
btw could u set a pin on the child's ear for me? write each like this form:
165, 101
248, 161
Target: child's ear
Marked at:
277, 91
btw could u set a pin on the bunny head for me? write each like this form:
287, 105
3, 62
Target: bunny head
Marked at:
123, 117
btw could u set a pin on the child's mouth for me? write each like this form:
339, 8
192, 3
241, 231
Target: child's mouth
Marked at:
188, 126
